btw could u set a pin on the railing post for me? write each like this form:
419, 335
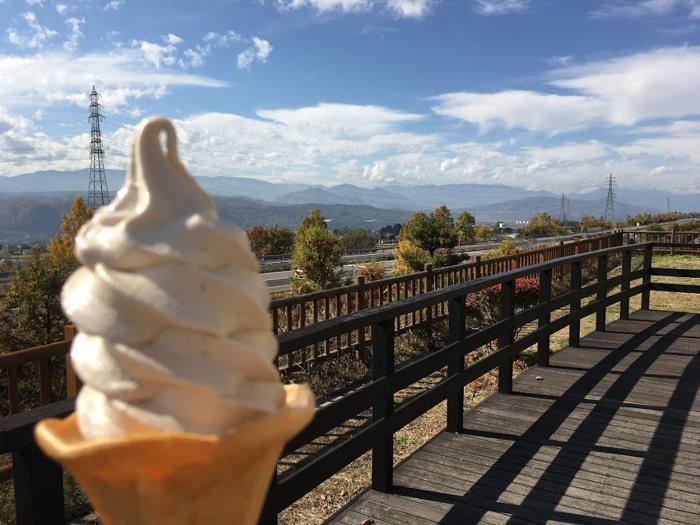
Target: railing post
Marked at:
673, 239
507, 310
477, 266
626, 269
455, 400
361, 305
544, 296
429, 287
646, 277
73, 382
383, 365
38, 483
601, 293
575, 324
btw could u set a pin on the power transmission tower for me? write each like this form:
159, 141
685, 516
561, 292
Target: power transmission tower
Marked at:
610, 200
668, 203
562, 214
98, 192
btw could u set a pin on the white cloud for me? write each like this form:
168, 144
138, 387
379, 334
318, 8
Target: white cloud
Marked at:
195, 56
114, 5
259, 52
71, 44
222, 39
520, 109
656, 84
501, 7
32, 3
376, 173
156, 54
418, 9
37, 34
323, 6
646, 8
61, 8
448, 164
172, 39
621, 91
340, 120
571, 152
60, 77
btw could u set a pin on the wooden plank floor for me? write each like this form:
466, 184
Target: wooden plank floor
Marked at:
610, 433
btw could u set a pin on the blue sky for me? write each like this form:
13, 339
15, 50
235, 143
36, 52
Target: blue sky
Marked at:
546, 94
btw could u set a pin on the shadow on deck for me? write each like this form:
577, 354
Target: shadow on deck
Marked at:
608, 433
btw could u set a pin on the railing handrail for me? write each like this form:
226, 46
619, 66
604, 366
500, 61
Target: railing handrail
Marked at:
304, 336
26, 355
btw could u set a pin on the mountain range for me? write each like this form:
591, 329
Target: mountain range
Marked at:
31, 204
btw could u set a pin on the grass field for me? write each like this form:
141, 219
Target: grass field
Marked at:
316, 506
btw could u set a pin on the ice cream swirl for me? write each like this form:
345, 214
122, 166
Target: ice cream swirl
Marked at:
174, 332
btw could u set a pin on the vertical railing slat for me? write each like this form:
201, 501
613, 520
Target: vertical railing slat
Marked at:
575, 323
457, 330
383, 366
626, 268
507, 311
601, 293
544, 296
646, 278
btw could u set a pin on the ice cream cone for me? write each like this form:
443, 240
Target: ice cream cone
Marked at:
178, 478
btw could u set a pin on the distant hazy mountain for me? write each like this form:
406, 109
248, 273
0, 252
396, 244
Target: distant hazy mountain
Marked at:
463, 196
51, 181
648, 198
523, 209
35, 217
427, 197
247, 212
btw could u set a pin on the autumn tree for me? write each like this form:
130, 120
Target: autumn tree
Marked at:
61, 248
464, 226
314, 218
589, 222
542, 225
316, 256
431, 232
357, 239
270, 240
31, 311
483, 233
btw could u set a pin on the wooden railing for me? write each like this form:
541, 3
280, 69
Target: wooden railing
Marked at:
294, 313
38, 482
300, 311
669, 236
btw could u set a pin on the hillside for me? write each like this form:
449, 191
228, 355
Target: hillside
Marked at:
36, 218
522, 209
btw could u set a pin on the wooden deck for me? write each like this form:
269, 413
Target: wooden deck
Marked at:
609, 433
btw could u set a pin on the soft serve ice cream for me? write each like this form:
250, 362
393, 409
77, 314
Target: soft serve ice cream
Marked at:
174, 332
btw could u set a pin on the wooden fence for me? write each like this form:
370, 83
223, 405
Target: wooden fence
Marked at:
293, 313
39, 484
48, 362
670, 236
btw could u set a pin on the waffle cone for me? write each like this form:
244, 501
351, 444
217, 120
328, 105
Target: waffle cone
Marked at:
178, 478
